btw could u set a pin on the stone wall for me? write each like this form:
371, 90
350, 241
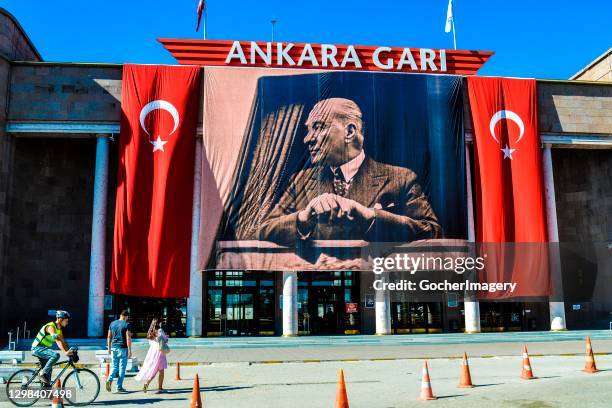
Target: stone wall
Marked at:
601, 70
6, 150
65, 92
14, 43
50, 213
574, 107
583, 193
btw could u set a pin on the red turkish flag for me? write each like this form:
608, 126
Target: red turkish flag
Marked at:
152, 239
510, 203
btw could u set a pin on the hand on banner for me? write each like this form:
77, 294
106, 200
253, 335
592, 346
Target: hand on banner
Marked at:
336, 207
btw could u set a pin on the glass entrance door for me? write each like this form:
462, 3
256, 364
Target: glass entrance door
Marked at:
240, 303
501, 316
328, 303
416, 317
327, 316
239, 311
173, 313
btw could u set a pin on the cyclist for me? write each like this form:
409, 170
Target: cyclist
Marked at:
42, 346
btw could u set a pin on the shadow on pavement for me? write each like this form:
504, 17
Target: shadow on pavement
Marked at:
450, 396
319, 383
487, 385
220, 388
140, 401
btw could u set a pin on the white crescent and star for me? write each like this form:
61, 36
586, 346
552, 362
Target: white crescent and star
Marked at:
158, 144
508, 115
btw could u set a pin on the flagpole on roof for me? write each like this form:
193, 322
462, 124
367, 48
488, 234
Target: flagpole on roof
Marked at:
201, 10
454, 36
206, 24
450, 22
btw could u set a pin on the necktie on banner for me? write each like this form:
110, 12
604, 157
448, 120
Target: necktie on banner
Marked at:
510, 204
152, 238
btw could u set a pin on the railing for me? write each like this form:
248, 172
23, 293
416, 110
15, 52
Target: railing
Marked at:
25, 334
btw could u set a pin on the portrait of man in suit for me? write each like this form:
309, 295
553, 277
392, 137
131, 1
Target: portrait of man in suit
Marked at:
345, 194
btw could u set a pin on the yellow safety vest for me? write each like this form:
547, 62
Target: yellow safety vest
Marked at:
43, 338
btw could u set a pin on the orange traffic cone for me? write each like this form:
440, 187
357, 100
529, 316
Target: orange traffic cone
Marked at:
178, 372
57, 401
196, 398
526, 373
590, 366
466, 379
426, 392
341, 397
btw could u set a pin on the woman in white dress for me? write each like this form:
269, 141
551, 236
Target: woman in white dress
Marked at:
155, 361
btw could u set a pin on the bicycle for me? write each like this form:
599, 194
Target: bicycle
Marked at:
24, 388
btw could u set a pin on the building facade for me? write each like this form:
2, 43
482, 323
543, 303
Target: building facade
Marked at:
59, 124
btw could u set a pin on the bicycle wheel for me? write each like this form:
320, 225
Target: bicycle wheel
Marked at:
19, 384
84, 384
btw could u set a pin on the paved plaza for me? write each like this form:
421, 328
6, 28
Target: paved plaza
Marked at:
379, 371
560, 383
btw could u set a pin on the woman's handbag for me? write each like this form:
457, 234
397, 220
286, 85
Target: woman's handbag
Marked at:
163, 346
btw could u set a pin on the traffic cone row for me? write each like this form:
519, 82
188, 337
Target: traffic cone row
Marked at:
57, 401
465, 380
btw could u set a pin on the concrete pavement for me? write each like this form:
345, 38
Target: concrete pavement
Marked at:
382, 384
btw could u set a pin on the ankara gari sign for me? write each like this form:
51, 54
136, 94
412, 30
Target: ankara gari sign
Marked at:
325, 56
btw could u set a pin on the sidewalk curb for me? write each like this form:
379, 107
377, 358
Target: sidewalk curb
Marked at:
341, 360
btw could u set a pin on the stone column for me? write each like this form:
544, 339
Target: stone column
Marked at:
557, 308
471, 307
97, 270
194, 301
382, 309
290, 309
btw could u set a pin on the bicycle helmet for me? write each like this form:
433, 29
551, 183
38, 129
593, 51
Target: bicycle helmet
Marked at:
62, 314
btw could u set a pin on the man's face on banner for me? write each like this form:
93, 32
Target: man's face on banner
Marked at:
326, 135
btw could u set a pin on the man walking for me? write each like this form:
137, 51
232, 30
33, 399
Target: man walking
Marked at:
120, 349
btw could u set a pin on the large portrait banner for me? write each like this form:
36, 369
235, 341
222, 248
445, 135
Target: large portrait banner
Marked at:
306, 171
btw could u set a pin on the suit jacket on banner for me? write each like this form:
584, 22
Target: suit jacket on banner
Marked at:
510, 207
403, 212
152, 237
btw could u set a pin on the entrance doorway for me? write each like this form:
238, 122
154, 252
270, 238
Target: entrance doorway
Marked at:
502, 316
173, 313
328, 303
416, 317
240, 303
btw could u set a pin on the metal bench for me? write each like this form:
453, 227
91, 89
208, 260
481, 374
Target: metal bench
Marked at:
103, 357
15, 357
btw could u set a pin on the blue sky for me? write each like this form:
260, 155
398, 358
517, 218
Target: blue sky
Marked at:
535, 38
